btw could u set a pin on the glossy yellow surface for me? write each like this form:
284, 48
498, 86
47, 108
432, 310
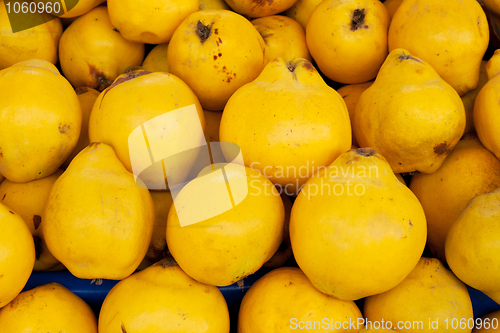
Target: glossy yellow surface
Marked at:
39, 42
348, 39
356, 219
259, 8
163, 299
40, 120
235, 243
469, 170
409, 115
284, 37
486, 116
288, 123
48, 308
96, 220
136, 98
428, 294
284, 300
18, 254
151, 22
93, 53
451, 35
351, 93
301, 10
217, 56
87, 97
156, 60
28, 200
472, 248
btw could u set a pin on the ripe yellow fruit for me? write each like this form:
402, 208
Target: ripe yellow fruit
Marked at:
134, 99
472, 248
469, 98
28, 200
156, 60
486, 116
96, 220
285, 300
36, 141
351, 94
259, 8
489, 323
82, 7
428, 298
301, 10
39, 63
215, 52
288, 123
227, 247
348, 39
39, 42
284, 37
469, 170
493, 65
93, 53
163, 299
48, 308
285, 250
87, 97
409, 115
392, 6
451, 35
355, 219
151, 22
158, 246
18, 255
213, 4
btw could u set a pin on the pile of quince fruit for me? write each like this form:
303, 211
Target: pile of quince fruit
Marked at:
353, 146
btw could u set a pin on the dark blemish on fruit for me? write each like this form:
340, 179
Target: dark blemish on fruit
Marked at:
129, 76
116, 30
441, 148
81, 90
366, 152
358, 19
203, 31
411, 224
215, 57
63, 128
123, 328
37, 219
216, 31
404, 56
220, 40
4, 196
307, 65
220, 54
101, 82
11, 212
